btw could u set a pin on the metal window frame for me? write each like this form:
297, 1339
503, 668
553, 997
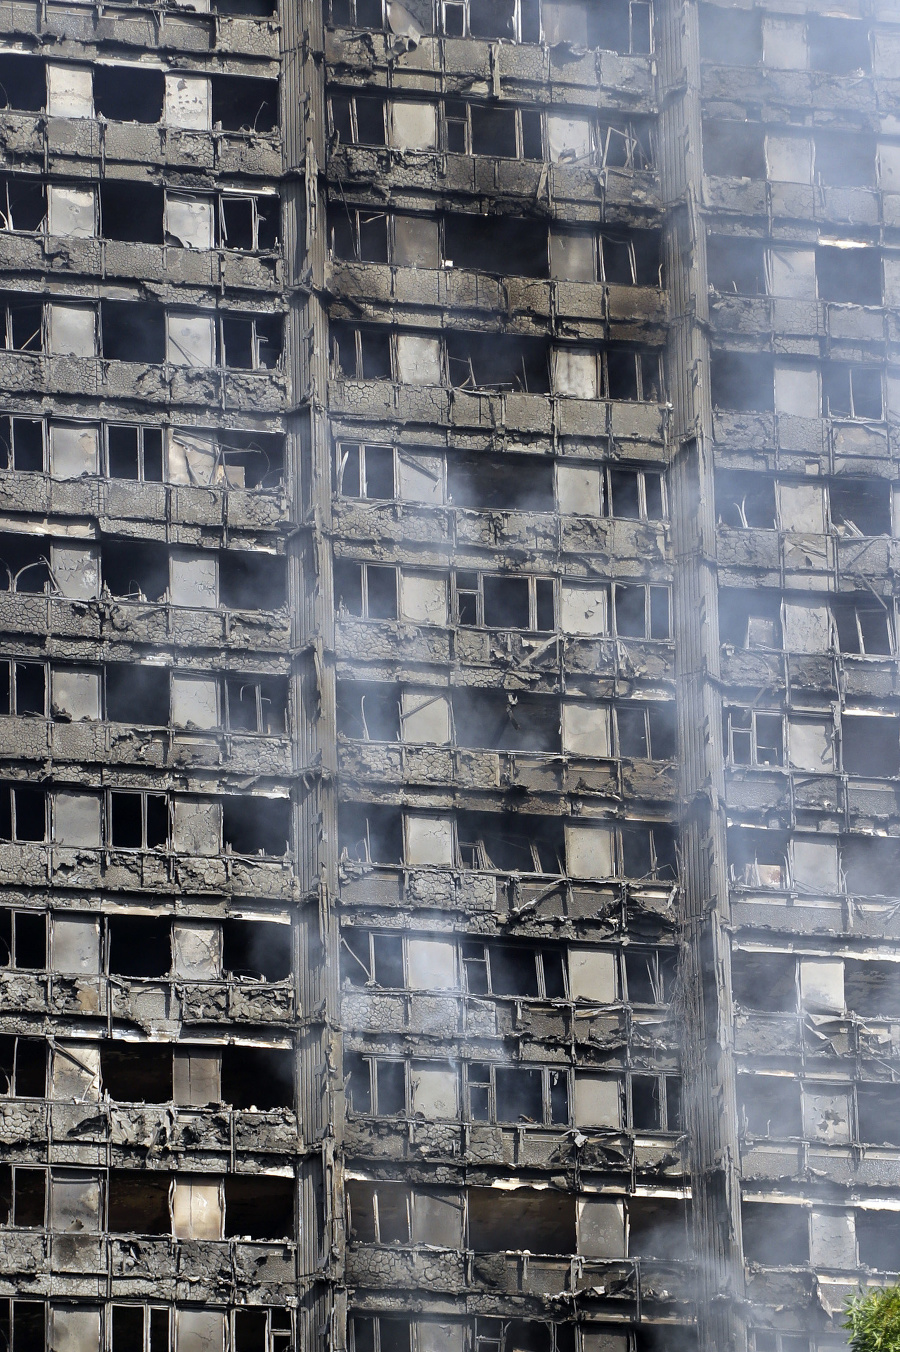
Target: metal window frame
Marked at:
140, 428
144, 794
752, 733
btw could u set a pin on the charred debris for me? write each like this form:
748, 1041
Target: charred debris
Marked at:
449, 710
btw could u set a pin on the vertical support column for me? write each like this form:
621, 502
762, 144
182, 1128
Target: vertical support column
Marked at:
712, 1117
319, 1052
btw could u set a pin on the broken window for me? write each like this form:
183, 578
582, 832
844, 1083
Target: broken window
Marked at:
23, 83
742, 382
138, 1202
369, 712
626, 144
765, 981
510, 483
870, 865
733, 149
131, 211
837, 45
23, 813
358, 119
501, 601
505, 720
23, 1325
487, 840
878, 1112
770, 1106
658, 1228
878, 1239
244, 103
517, 970
372, 959
256, 704
849, 275
138, 820
649, 975
645, 731
655, 1103
134, 452
23, 1066
524, 1335
23, 444
256, 825
872, 988
506, 1222
137, 694
753, 737
23, 940
139, 1328
378, 1213
23, 200
371, 834
516, 1094
132, 331
260, 1078
128, 93
258, 1208
23, 688
21, 323
618, 373
860, 507
477, 129
775, 1234
864, 626
24, 565
745, 501
139, 945
249, 222
360, 235
758, 859
256, 948
851, 391
365, 590
136, 1072
641, 612
845, 159
496, 244
251, 581
870, 745
730, 37
736, 265
750, 620
252, 342
23, 1196
361, 354
135, 571
365, 471
497, 362
375, 1085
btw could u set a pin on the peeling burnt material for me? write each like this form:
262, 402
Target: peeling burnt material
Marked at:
449, 726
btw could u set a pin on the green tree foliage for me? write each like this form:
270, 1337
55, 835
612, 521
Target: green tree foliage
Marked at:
874, 1320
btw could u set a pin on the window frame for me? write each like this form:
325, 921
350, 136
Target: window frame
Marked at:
140, 429
362, 448
12, 787
642, 475
755, 743
477, 592
13, 663
664, 1099
484, 961
144, 795
493, 1117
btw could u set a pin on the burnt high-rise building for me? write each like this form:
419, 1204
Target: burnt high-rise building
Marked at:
449, 692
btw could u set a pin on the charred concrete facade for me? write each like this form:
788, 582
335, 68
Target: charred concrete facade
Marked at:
448, 674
